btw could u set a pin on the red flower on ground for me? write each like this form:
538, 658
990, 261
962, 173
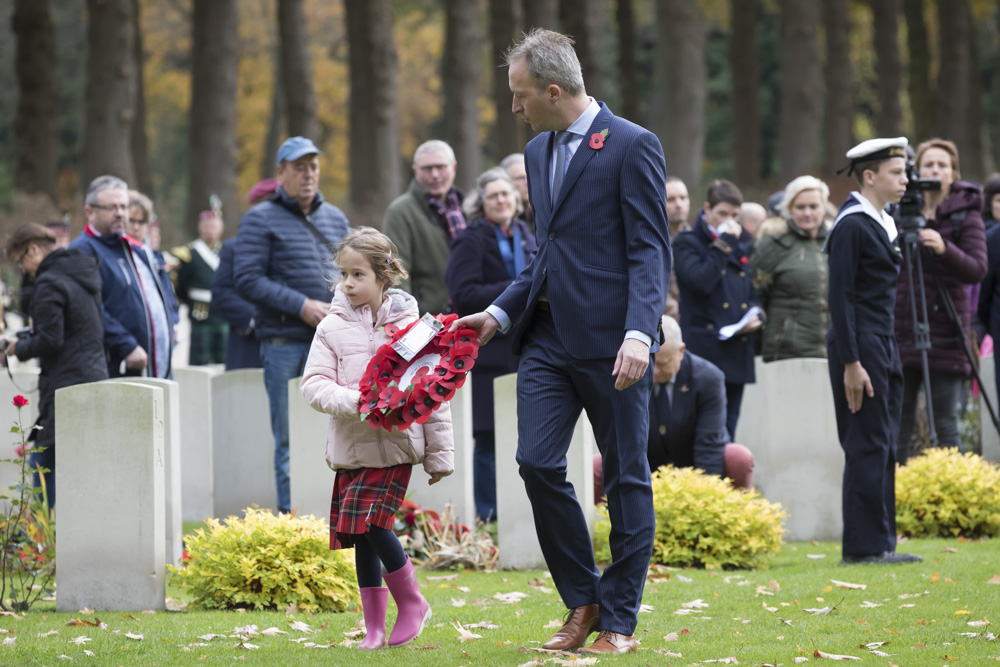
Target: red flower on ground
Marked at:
597, 141
19, 401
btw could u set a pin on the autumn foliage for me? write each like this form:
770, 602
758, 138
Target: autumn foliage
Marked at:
702, 521
944, 493
265, 561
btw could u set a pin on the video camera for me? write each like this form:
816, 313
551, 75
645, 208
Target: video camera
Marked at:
909, 211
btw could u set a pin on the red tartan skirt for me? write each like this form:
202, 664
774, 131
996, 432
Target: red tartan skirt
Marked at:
365, 497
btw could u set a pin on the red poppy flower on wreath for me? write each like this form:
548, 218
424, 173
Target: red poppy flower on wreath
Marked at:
19, 401
396, 393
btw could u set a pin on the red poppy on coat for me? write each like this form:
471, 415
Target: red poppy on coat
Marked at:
597, 141
744, 260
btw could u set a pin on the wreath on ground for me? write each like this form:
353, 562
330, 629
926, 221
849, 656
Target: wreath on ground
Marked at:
396, 393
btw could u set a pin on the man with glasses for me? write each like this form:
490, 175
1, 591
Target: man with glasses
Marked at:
137, 309
424, 221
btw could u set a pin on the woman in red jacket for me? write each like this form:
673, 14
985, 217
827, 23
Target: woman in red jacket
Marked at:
954, 241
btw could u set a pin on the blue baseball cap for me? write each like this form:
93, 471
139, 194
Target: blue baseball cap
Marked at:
296, 147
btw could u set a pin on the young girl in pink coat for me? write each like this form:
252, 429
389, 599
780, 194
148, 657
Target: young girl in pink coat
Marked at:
373, 466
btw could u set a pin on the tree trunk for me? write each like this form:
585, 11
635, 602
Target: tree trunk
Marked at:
374, 120
744, 100
801, 87
212, 139
953, 72
109, 97
296, 70
541, 14
463, 49
140, 145
578, 18
36, 123
838, 135
921, 96
273, 138
888, 67
680, 88
976, 137
628, 75
503, 25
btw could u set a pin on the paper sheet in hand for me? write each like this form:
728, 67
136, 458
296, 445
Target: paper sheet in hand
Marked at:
727, 332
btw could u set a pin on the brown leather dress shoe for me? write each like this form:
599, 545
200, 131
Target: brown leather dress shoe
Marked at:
580, 623
612, 642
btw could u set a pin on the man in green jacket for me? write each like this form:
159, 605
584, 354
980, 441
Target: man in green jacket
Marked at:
423, 222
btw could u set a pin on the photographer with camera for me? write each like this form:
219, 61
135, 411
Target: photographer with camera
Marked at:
865, 372
953, 252
66, 333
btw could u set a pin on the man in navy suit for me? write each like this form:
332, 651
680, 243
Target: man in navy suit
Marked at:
584, 315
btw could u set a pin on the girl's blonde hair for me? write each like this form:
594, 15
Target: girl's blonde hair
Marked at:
380, 252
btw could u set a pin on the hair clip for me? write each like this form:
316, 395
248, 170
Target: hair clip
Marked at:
388, 260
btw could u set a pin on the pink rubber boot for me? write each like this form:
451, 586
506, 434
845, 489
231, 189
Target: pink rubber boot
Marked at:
413, 611
374, 602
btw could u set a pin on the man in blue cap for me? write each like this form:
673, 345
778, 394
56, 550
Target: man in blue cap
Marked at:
284, 256
865, 370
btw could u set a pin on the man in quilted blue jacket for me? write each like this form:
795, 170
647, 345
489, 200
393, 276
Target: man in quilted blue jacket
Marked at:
284, 266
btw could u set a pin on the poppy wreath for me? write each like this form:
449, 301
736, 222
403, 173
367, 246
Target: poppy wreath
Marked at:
386, 404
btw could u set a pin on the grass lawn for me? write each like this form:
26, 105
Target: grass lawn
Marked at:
756, 617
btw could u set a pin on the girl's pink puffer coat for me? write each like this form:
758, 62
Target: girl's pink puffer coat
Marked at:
345, 342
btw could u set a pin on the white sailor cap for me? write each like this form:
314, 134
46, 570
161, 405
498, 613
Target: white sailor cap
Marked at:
876, 149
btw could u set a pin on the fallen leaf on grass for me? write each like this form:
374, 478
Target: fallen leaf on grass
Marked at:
907, 606
458, 603
669, 654
9, 641
86, 610
247, 630
79, 640
55, 632
298, 626
873, 645
131, 636
936, 577
245, 645
774, 586
694, 604
15, 616
799, 660
463, 634
686, 580
209, 638
485, 625
88, 653
685, 612
575, 661
532, 663
731, 660
882, 654
995, 579
446, 577
553, 624
907, 596
65, 657
510, 598
833, 656
766, 608
846, 584
963, 612
466, 589
645, 609
870, 605
671, 637
148, 612
270, 632
815, 556
950, 550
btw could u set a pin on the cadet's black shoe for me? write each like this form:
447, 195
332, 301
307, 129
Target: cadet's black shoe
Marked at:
884, 558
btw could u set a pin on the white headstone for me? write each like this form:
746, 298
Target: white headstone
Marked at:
312, 479
516, 536
242, 444
172, 463
456, 488
182, 349
990, 437
798, 461
110, 462
25, 383
195, 383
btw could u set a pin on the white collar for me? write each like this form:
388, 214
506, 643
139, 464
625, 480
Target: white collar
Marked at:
580, 126
881, 217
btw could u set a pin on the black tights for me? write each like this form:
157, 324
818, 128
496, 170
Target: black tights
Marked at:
374, 549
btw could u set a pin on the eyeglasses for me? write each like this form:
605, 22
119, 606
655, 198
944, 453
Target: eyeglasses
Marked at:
135, 221
112, 207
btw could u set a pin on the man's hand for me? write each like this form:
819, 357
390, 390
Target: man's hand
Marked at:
857, 384
631, 364
9, 349
730, 226
314, 311
437, 477
482, 323
751, 326
136, 359
931, 238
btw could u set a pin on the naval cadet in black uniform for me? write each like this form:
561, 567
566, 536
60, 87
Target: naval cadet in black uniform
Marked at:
865, 369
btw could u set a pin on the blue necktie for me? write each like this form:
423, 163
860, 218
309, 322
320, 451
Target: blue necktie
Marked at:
562, 138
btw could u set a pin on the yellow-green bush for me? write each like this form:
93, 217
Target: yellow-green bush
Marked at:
702, 521
267, 562
945, 493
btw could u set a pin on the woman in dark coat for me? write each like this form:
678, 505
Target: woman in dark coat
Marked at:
485, 258
954, 241
66, 334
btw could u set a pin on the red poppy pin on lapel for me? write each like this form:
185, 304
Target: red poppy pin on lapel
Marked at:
597, 139
744, 260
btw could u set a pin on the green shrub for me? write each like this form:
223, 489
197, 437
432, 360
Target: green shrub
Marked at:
945, 493
702, 521
267, 562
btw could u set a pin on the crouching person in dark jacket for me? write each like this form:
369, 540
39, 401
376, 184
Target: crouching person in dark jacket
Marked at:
66, 332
